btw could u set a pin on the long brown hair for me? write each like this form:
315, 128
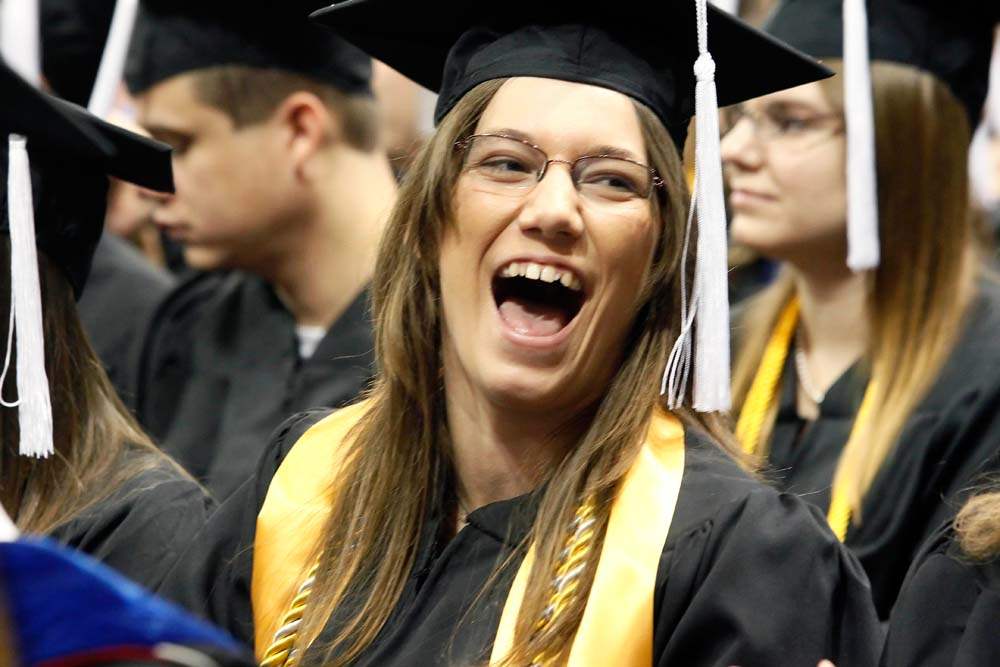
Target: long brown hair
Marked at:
398, 454
98, 445
920, 293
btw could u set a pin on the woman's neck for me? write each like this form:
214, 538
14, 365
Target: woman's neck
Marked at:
834, 329
500, 452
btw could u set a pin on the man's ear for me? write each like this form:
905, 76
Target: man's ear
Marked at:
309, 127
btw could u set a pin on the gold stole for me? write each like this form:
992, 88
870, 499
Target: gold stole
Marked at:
617, 625
765, 390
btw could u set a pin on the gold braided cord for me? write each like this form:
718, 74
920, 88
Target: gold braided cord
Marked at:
564, 587
764, 392
572, 562
280, 653
765, 384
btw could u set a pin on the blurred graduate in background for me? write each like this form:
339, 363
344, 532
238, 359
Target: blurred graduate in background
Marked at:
868, 375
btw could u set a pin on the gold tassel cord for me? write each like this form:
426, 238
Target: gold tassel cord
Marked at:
573, 560
280, 653
764, 392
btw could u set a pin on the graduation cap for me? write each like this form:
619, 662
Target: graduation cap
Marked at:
177, 36
950, 40
655, 52
56, 201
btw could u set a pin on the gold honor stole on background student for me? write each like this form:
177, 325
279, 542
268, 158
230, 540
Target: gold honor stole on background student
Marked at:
617, 625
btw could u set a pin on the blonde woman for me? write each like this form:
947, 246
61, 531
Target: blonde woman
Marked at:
512, 490
872, 395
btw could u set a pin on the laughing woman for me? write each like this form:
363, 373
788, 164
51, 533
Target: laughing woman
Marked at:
873, 395
511, 490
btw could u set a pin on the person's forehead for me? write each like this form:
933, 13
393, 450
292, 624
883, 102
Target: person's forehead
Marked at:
808, 95
172, 101
562, 114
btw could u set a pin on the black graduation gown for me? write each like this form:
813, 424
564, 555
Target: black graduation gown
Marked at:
940, 451
948, 614
221, 371
748, 576
123, 291
142, 527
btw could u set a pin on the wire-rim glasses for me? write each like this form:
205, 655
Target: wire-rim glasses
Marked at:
511, 164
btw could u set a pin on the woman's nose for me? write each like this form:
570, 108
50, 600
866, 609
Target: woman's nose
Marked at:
553, 206
741, 148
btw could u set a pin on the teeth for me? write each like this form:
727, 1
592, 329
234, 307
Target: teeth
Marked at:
543, 272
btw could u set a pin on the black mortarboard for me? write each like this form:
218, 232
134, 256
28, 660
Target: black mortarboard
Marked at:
73, 36
177, 36
681, 58
72, 153
951, 40
644, 50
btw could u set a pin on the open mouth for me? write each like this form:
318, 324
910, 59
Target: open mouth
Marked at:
537, 300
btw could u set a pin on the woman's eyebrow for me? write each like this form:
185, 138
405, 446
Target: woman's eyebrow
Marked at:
613, 151
787, 106
512, 133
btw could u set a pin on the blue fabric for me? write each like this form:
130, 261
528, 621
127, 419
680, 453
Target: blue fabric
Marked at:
61, 602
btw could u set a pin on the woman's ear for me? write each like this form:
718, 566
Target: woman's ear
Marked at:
310, 127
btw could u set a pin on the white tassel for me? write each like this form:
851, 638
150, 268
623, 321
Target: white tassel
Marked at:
109, 74
34, 404
982, 179
20, 39
710, 296
862, 187
731, 6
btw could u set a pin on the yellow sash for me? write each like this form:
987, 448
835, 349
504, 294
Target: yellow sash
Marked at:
617, 625
292, 519
764, 392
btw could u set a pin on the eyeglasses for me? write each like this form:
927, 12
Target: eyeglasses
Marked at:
779, 126
509, 165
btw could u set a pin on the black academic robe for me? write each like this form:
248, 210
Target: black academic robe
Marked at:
123, 291
143, 526
221, 370
938, 459
748, 576
948, 613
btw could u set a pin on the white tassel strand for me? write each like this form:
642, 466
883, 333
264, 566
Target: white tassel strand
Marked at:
862, 186
982, 180
711, 363
709, 304
109, 74
34, 404
20, 40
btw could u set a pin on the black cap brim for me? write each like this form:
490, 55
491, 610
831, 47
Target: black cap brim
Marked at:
416, 40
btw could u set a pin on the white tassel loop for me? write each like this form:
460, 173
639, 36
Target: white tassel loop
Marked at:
33, 402
862, 186
709, 307
109, 74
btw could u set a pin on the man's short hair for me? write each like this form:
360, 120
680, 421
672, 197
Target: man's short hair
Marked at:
249, 95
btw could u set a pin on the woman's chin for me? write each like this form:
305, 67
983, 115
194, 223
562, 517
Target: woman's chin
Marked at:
529, 390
